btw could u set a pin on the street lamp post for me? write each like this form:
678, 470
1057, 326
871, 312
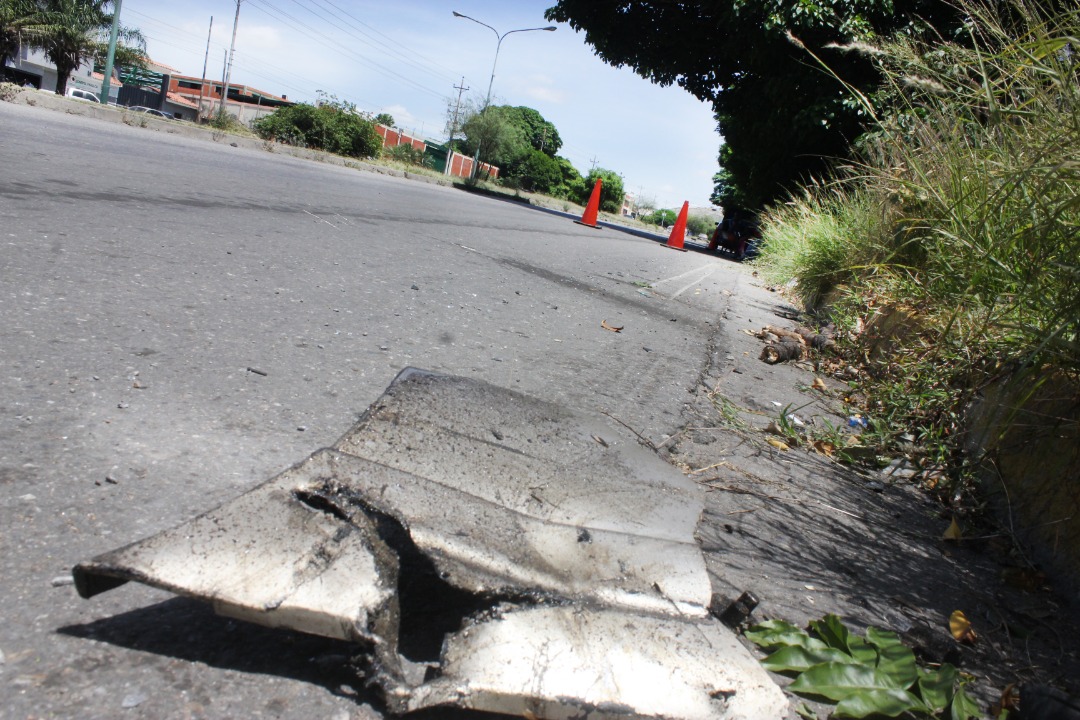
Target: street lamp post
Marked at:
491, 81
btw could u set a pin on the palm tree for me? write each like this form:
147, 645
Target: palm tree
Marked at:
73, 31
15, 16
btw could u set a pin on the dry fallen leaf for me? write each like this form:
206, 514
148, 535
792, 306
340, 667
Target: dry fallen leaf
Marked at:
773, 428
825, 448
819, 384
953, 532
1009, 702
960, 627
777, 444
604, 324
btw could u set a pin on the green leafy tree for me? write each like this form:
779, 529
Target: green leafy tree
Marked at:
540, 134
571, 185
72, 32
611, 191
508, 137
644, 205
540, 172
665, 218
490, 131
783, 118
700, 225
384, 119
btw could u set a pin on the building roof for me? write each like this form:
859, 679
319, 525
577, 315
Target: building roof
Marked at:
100, 77
178, 99
161, 67
237, 88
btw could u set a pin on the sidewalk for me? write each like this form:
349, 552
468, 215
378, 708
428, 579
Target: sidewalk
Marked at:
809, 536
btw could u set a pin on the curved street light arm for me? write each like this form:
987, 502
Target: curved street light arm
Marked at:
491, 81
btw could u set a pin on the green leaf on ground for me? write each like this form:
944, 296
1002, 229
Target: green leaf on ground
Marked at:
875, 675
963, 707
834, 633
777, 633
893, 657
797, 659
838, 681
937, 688
889, 703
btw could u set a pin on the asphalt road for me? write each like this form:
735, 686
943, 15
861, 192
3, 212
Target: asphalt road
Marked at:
142, 276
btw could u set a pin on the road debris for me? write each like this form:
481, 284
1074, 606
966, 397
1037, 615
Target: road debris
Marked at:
569, 578
782, 345
604, 324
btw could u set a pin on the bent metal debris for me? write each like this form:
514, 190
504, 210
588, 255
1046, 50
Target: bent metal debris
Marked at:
490, 553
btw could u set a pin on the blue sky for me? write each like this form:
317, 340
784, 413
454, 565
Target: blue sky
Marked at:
405, 56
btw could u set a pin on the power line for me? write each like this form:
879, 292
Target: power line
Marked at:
393, 47
319, 36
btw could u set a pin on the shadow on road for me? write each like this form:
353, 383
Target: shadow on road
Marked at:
189, 630
662, 239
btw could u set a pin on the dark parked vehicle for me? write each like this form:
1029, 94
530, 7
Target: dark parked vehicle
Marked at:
737, 236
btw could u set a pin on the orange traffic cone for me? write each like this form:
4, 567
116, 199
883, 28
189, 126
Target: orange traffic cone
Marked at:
678, 233
588, 218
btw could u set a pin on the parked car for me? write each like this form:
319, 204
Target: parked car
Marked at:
150, 111
737, 235
79, 94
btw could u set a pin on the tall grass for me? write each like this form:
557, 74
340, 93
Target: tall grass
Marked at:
966, 204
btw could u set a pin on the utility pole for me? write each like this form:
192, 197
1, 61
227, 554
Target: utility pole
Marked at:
453, 127
224, 66
206, 59
228, 67
111, 56
593, 161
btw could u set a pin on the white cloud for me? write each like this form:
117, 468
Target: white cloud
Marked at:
546, 94
258, 37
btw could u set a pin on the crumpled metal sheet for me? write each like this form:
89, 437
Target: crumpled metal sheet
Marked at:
581, 589
570, 662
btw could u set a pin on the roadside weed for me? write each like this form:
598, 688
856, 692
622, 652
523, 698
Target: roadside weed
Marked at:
869, 675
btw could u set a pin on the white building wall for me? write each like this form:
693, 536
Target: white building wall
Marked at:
33, 61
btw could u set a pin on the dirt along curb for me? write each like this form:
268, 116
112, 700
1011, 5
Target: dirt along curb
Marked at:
808, 536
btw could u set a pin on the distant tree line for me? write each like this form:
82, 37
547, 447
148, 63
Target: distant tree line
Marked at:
524, 146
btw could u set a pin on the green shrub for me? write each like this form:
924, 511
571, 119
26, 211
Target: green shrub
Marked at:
666, 218
226, 122
327, 127
964, 212
700, 225
407, 155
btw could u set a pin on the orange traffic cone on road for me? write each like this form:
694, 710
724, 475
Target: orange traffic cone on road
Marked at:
588, 218
678, 233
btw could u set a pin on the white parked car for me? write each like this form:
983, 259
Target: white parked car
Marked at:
150, 111
82, 95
